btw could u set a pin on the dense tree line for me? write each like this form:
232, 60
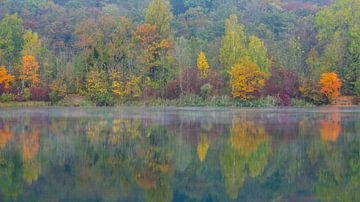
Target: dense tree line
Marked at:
115, 50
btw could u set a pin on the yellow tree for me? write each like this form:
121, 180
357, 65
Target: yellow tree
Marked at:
247, 80
203, 65
31, 43
29, 70
5, 77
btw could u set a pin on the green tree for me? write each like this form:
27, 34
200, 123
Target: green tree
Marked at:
257, 53
159, 14
339, 36
233, 43
11, 40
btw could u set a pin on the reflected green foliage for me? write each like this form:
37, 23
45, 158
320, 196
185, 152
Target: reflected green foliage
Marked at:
152, 154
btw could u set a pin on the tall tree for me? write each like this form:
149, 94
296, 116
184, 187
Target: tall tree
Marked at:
11, 41
339, 37
159, 14
233, 43
203, 65
29, 70
257, 52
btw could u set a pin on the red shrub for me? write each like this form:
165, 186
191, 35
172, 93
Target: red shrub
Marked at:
285, 99
282, 81
173, 90
40, 93
11, 90
215, 80
191, 81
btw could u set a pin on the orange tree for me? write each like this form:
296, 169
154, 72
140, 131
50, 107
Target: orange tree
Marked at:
29, 70
330, 85
247, 80
5, 78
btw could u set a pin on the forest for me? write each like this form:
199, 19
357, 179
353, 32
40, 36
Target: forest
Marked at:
179, 52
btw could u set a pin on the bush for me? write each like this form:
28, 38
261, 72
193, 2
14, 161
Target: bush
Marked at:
40, 93
282, 82
55, 96
310, 91
173, 90
268, 101
27, 94
285, 99
98, 88
7, 97
205, 90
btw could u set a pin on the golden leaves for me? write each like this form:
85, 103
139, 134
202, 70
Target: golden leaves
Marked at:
246, 79
246, 137
203, 65
131, 88
29, 70
5, 77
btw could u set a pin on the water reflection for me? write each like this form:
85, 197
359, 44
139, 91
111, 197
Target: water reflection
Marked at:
179, 155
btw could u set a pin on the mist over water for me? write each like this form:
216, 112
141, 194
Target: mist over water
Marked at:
179, 154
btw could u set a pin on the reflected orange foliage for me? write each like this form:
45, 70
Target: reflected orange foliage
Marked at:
330, 129
5, 136
30, 144
146, 179
246, 136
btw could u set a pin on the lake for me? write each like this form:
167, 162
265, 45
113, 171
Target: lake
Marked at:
179, 154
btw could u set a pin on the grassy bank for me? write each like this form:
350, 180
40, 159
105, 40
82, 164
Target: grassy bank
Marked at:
185, 101
25, 104
223, 101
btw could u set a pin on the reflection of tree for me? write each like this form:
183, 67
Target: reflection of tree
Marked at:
330, 128
11, 184
202, 147
154, 164
5, 135
245, 154
30, 144
31, 171
338, 178
246, 137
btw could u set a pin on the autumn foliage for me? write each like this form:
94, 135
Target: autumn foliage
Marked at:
330, 129
203, 65
29, 70
330, 85
247, 80
5, 77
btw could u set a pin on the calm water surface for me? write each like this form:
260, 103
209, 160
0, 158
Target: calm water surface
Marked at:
179, 154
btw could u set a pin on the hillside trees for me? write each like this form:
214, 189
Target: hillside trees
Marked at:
339, 41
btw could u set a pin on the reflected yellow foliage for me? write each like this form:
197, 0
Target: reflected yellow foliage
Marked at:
5, 136
330, 129
30, 144
246, 136
202, 147
31, 171
245, 155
